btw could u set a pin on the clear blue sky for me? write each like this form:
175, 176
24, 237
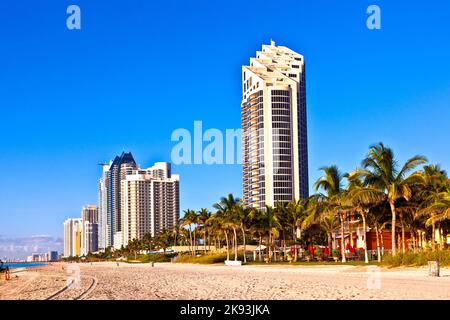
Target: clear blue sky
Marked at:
140, 69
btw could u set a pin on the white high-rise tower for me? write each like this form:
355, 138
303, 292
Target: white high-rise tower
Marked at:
275, 151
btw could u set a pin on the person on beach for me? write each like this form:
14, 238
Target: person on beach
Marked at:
7, 273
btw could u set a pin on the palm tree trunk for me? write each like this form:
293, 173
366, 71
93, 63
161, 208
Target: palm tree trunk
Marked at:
344, 259
433, 236
190, 241
274, 253
260, 244
245, 248
378, 244
329, 242
228, 247
295, 252
334, 241
382, 243
235, 245
195, 243
366, 256
419, 240
209, 242
392, 205
204, 241
294, 234
350, 231
403, 234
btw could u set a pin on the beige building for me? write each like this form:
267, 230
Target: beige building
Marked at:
89, 239
150, 202
73, 230
275, 153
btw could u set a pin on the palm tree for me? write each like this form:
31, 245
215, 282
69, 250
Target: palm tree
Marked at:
256, 221
203, 216
297, 212
227, 209
175, 231
437, 204
380, 170
282, 212
376, 218
331, 202
134, 246
219, 223
215, 228
433, 188
360, 199
147, 241
271, 225
329, 223
242, 217
163, 239
190, 219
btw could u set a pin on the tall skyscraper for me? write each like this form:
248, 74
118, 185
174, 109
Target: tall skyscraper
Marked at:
73, 229
120, 167
104, 221
275, 151
150, 202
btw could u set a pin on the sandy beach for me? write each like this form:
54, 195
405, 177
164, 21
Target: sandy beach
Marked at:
106, 280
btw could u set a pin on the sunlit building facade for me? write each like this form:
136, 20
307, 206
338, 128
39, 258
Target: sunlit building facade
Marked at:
73, 230
150, 202
275, 151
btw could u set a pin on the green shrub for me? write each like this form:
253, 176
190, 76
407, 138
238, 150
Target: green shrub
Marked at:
420, 258
205, 259
336, 253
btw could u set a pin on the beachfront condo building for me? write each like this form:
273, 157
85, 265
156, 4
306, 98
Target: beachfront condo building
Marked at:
89, 237
150, 202
104, 221
110, 219
73, 229
274, 137
120, 167
89, 216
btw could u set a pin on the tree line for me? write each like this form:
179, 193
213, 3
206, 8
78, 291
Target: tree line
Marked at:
382, 194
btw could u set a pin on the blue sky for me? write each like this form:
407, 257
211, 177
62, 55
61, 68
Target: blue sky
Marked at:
137, 70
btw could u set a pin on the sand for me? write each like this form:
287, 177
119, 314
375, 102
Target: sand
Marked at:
106, 280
